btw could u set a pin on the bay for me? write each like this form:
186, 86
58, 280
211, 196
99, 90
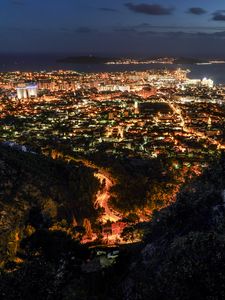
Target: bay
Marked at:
48, 62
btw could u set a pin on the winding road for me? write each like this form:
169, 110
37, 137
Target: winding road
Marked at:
103, 195
102, 199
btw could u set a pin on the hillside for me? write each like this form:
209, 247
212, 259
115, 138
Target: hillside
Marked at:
37, 192
181, 257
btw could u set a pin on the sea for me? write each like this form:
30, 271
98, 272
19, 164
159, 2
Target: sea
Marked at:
48, 62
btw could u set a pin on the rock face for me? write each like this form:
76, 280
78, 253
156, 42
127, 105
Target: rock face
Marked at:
39, 192
183, 257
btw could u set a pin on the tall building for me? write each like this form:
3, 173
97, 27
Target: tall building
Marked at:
136, 107
32, 90
25, 91
21, 92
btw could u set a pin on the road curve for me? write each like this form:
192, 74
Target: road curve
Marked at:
103, 195
102, 199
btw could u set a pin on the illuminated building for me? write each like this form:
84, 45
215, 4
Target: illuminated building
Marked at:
111, 116
207, 82
21, 92
209, 122
136, 107
27, 91
32, 90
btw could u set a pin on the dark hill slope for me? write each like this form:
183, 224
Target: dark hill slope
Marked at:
184, 252
40, 191
182, 256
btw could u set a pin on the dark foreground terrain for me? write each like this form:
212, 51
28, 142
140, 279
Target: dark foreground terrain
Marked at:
181, 256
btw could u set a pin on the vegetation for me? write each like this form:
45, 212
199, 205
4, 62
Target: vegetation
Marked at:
144, 185
181, 257
37, 192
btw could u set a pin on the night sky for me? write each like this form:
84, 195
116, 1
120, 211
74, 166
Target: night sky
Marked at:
173, 27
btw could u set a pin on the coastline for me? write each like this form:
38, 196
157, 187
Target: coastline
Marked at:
32, 63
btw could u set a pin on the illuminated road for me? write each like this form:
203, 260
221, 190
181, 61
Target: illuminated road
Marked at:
103, 195
102, 199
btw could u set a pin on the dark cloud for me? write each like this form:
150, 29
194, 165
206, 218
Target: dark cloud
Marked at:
219, 34
197, 11
132, 28
125, 29
174, 32
151, 28
150, 9
84, 30
219, 15
143, 25
107, 9
151, 33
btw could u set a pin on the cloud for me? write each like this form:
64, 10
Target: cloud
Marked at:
143, 25
150, 9
125, 29
219, 15
138, 28
146, 28
84, 30
175, 32
197, 11
219, 34
107, 9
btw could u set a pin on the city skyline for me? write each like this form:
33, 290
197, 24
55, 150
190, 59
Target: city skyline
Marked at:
138, 27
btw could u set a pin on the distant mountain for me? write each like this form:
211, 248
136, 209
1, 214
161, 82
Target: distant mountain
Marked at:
189, 60
91, 59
